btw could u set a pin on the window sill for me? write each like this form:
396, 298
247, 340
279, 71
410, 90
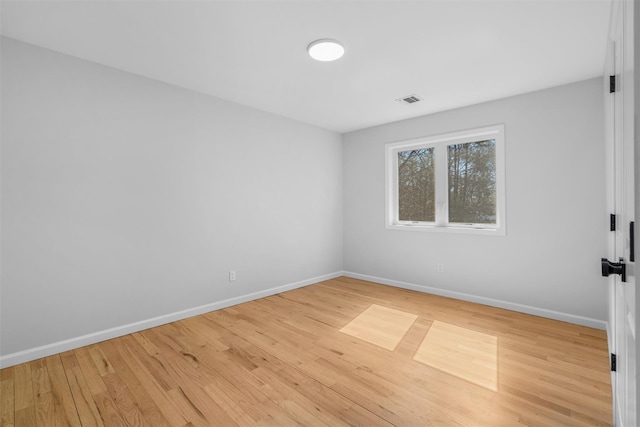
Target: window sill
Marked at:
448, 229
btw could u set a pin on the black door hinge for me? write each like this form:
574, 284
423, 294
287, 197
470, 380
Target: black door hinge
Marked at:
632, 242
612, 84
612, 222
613, 362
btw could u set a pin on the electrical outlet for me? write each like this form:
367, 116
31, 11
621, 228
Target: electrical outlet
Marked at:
440, 268
232, 275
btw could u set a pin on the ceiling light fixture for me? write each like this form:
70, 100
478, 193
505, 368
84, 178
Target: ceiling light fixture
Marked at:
326, 50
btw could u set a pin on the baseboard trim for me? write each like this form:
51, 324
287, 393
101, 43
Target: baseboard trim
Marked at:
81, 341
542, 312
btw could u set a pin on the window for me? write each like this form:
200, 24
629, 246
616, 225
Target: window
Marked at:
452, 182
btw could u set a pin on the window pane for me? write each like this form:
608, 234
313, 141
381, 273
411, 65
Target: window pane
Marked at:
472, 182
416, 185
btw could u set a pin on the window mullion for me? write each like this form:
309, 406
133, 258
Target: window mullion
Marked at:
442, 206
392, 182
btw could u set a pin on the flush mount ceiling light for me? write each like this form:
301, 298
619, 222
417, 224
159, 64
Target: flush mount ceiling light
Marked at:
326, 50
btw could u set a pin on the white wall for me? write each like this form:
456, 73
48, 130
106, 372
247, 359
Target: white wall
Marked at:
548, 263
124, 199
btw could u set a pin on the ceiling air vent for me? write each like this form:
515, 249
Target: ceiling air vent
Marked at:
411, 99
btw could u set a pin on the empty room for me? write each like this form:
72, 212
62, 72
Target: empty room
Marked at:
318, 213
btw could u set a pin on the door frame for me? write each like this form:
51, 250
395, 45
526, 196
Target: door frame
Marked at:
622, 173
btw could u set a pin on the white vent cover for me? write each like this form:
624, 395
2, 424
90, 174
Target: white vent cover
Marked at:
411, 99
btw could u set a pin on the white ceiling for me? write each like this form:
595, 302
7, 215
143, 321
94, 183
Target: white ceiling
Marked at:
452, 53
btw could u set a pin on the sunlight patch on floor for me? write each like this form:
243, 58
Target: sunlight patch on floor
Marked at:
466, 354
381, 326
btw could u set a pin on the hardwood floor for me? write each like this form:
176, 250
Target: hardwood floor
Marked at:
282, 360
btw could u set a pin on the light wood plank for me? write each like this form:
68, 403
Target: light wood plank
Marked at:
45, 409
7, 402
151, 385
25, 402
62, 401
89, 371
139, 395
462, 352
88, 412
283, 360
379, 325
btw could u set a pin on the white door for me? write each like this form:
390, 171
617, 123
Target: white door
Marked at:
620, 140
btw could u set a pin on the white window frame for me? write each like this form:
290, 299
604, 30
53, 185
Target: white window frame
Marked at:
440, 143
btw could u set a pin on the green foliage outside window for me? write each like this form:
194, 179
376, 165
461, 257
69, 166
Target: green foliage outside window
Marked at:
472, 182
416, 185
